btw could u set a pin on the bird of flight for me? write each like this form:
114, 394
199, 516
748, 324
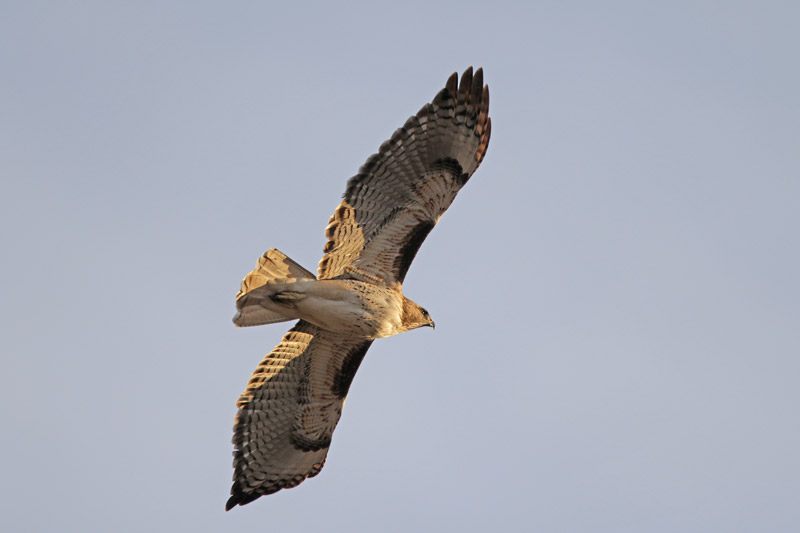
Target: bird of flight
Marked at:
294, 399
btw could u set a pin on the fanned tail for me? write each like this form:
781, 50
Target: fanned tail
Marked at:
273, 265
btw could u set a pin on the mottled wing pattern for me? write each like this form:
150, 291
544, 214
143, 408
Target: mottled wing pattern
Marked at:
289, 410
399, 194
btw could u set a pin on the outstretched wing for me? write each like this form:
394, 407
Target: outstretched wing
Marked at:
289, 410
399, 194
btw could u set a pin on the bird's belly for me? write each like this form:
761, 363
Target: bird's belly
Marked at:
332, 315
372, 314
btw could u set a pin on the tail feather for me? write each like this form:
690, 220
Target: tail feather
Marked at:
273, 265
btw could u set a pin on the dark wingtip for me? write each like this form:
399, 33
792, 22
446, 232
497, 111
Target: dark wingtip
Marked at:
240, 498
465, 87
477, 86
452, 84
478, 76
232, 502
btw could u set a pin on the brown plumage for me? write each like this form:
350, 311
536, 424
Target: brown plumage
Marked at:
294, 399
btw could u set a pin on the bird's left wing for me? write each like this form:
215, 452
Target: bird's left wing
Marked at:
289, 410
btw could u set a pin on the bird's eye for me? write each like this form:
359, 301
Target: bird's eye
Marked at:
425, 313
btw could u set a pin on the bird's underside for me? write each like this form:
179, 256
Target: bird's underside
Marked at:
293, 401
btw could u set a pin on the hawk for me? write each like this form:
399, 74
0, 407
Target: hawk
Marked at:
294, 399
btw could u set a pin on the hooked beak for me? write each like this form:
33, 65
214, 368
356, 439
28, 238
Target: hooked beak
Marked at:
431, 324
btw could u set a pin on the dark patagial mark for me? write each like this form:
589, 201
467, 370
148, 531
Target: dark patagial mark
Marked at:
343, 378
408, 252
453, 168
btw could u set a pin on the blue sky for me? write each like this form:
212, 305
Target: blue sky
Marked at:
615, 291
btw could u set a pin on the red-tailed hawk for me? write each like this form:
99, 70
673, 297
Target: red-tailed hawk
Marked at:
294, 399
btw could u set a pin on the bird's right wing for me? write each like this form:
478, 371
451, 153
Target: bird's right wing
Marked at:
399, 194
289, 410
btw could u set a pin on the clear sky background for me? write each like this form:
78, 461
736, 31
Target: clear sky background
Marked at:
615, 291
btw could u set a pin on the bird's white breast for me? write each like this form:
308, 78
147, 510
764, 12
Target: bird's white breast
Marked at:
349, 306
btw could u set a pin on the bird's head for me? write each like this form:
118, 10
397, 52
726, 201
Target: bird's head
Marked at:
415, 316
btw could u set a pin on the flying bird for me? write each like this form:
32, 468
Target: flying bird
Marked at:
294, 399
